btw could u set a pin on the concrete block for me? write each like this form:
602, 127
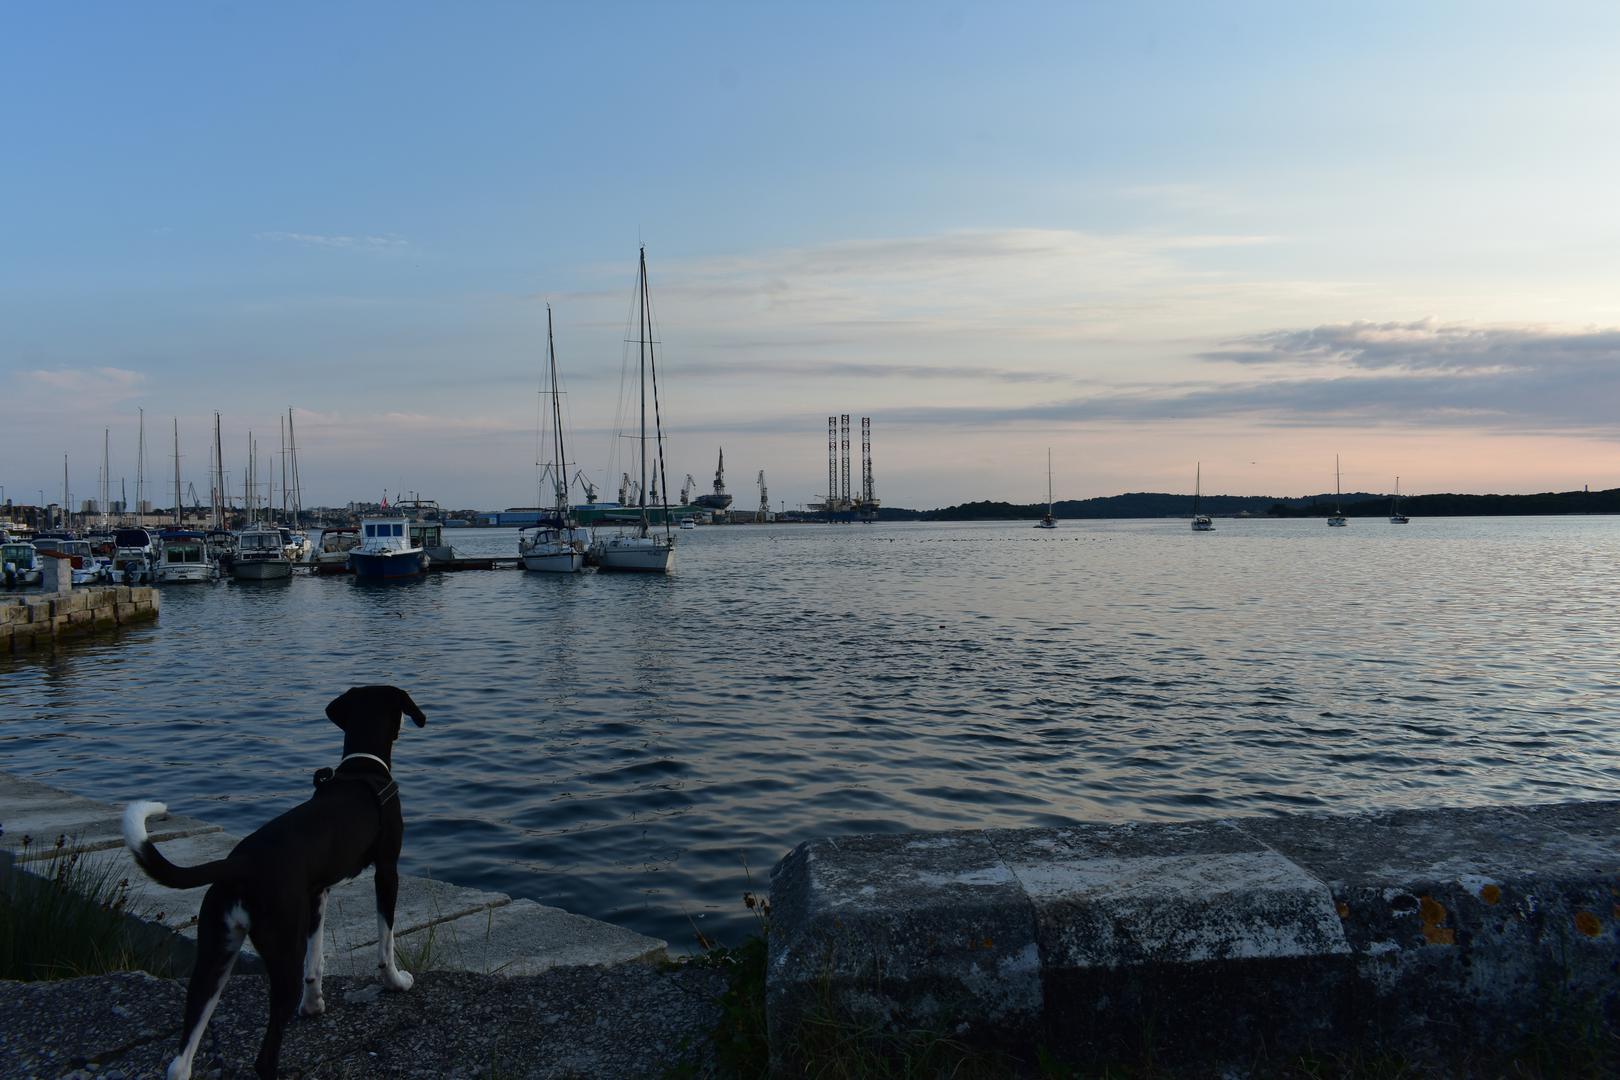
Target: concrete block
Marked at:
929, 930
1151, 918
519, 938
124, 613
1458, 917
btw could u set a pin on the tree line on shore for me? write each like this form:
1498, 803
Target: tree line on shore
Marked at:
1150, 504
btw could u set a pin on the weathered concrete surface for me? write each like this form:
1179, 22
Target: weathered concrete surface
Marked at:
940, 915
630, 1021
1214, 942
519, 938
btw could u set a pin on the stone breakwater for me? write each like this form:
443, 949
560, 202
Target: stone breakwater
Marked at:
1409, 932
32, 621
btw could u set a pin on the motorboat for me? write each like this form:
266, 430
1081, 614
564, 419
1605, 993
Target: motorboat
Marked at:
332, 555
261, 555
19, 562
183, 557
135, 557
385, 551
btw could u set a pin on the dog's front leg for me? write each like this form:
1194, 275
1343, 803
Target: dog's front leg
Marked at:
314, 959
387, 895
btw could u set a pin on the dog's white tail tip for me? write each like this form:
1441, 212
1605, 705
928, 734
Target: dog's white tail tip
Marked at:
135, 815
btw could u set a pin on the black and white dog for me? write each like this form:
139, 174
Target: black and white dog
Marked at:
272, 886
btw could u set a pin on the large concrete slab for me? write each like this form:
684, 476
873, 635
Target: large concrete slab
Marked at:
34, 815
519, 938
484, 931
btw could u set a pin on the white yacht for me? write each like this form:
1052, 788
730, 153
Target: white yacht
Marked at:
184, 557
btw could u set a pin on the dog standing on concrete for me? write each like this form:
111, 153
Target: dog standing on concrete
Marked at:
272, 887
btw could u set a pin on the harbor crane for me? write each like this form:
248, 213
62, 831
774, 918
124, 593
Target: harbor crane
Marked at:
686, 490
764, 499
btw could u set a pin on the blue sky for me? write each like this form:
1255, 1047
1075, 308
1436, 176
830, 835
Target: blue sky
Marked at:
1142, 235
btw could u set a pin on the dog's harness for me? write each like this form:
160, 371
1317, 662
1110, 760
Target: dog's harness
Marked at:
383, 788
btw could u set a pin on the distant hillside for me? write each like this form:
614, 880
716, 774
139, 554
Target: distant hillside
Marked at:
1151, 504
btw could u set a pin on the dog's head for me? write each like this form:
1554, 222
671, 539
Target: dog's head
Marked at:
370, 718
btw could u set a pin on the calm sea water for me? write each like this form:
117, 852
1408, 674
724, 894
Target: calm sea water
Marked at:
634, 748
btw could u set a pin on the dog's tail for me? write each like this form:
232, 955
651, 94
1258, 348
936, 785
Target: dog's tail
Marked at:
150, 859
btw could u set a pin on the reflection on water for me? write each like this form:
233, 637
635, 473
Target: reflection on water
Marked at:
632, 747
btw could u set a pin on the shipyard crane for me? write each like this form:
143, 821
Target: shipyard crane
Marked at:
764, 499
686, 490
625, 486
590, 488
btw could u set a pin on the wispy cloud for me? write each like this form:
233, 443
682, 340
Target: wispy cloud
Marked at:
1510, 379
385, 242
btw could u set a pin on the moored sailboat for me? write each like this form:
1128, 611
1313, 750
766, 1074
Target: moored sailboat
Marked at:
641, 548
1395, 515
1337, 518
1200, 521
1047, 520
558, 544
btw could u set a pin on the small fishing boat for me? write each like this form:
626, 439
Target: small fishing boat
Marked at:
1200, 521
184, 558
386, 552
688, 522
261, 555
1395, 515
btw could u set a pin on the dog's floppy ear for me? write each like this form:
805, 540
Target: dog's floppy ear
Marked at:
343, 708
408, 707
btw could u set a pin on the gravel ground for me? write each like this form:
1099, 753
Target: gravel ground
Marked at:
626, 1021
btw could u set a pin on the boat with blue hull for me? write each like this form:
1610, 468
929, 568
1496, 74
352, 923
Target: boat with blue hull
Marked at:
386, 551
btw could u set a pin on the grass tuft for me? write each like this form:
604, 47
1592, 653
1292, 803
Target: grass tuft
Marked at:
67, 916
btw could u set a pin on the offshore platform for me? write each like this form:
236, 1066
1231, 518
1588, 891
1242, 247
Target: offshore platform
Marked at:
840, 505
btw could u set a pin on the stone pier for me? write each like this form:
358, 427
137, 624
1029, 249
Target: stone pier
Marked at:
35, 620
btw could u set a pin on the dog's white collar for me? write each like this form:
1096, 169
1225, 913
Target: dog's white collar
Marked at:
373, 757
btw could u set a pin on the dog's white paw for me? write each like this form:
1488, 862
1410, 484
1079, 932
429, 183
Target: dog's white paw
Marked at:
398, 980
313, 1006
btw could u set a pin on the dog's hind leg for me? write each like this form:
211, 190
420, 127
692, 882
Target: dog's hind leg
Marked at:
314, 961
387, 879
283, 965
222, 924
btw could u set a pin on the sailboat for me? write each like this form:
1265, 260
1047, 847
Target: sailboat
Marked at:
640, 548
558, 545
1395, 515
1337, 517
1047, 520
1200, 521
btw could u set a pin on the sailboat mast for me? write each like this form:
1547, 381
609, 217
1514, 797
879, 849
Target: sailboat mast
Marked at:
177, 472
559, 480
106, 473
140, 469
297, 487
219, 478
1048, 481
67, 507
641, 314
